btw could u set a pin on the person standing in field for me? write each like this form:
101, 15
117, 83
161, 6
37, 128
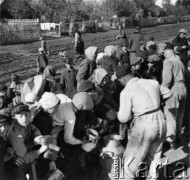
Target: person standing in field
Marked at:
123, 36
44, 45
42, 61
79, 43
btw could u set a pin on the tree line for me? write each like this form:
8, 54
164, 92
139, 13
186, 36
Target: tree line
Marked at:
79, 10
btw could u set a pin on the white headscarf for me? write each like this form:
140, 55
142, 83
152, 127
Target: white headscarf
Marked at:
99, 74
110, 51
90, 52
49, 100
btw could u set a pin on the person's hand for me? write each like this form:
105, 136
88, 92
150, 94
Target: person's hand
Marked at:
184, 47
42, 149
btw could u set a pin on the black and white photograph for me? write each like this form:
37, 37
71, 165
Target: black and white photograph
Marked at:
94, 89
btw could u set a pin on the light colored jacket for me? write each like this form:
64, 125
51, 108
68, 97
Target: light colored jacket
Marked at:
140, 96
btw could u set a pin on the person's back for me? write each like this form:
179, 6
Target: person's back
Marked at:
176, 67
109, 64
145, 95
134, 43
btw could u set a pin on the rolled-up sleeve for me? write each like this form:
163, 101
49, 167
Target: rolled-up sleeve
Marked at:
125, 110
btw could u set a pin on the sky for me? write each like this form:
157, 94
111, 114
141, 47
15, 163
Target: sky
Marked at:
159, 2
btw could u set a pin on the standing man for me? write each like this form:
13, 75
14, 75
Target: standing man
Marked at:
42, 61
44, 45
136, 38
140, 102
173, 78
68, 79
181, 42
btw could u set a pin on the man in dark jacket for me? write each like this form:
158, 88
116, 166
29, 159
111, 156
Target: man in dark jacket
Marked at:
181, 42
42, 61
21, 138
136, 38
68, 79
3, 147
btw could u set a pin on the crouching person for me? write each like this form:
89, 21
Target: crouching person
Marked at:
140, 102
21, 138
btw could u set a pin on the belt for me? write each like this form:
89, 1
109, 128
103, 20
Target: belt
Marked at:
150, 112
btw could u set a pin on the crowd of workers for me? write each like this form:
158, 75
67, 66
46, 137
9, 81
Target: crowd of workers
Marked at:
140, 91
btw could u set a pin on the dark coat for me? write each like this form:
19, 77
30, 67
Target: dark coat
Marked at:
108, 64
69, 82
86, 69
134, 42
181, 42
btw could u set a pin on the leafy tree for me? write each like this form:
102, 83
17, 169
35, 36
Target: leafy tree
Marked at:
21, 9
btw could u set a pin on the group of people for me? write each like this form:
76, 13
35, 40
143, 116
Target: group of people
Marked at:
143, 86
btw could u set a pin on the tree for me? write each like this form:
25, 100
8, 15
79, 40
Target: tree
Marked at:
21, 9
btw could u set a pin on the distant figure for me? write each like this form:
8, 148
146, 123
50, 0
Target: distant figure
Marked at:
71, 27
42, 61
84, 26
44, 45
79, 43
136, 38
123, 36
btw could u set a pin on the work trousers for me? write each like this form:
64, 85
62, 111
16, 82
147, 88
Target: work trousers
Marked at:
144, 146
174, 111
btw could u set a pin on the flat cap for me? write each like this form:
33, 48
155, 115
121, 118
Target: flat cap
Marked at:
86, 86
153, 58
183, 31
18, 108
135, 60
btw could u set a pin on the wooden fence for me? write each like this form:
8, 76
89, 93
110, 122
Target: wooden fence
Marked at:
19, 30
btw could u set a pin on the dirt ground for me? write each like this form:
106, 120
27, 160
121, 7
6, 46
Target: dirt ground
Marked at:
21, 59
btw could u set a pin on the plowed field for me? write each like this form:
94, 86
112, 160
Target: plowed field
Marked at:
21, 59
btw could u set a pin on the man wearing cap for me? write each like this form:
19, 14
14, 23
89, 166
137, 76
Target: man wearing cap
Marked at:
181, 42
142, 51
68, 78
135, 63
21, 138
173, 78
42, 61
3, 146
136, 38
140, 102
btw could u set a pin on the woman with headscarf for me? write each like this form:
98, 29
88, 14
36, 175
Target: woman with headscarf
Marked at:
102, 80
88, 65
109, 62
